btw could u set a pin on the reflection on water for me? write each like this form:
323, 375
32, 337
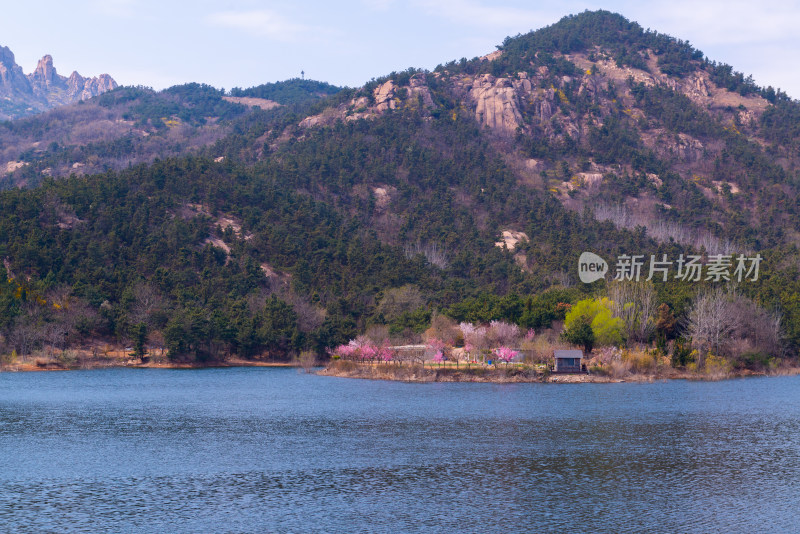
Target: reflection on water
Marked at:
263, 450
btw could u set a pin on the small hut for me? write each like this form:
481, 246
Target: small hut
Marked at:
568, 361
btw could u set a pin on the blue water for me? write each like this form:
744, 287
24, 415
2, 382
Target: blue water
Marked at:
274, 450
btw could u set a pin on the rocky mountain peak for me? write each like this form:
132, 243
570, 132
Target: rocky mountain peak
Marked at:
12, 79
44, 88
7, 56
45, 76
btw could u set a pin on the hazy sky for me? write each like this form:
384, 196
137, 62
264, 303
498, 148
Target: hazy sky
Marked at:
248, 42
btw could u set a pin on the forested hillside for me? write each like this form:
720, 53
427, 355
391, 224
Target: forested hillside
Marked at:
211, 228
134, 125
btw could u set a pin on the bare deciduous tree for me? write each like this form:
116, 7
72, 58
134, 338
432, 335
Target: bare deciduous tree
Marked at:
27, 333
761, 328
146, 300
431, 251
712, 320
729, 324
444, 328
664, 231
307, 360
635, 304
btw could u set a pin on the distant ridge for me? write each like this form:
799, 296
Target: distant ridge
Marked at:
292, 91
44, 88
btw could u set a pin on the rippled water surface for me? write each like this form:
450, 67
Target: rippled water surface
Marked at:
273, 450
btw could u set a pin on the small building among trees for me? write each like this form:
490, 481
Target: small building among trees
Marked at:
568, 361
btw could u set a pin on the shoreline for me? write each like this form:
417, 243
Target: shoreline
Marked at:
379, 371
120, 360
519, 375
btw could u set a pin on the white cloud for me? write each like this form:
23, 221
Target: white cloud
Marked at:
262, 22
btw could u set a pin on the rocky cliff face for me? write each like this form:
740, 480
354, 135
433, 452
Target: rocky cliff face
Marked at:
45, 78
12, 79
44, 88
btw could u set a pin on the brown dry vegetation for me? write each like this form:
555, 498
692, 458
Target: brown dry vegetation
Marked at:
103, 356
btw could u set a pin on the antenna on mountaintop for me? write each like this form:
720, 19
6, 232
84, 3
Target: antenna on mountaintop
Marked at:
302, 75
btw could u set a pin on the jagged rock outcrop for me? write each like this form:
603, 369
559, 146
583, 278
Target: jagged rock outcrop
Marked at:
386, 97
44, 88
97, 85
496, 104
418, 90
45, 78
501, 103
12, 79
386, 94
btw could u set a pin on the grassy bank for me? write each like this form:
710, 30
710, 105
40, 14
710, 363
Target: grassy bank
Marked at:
116, 357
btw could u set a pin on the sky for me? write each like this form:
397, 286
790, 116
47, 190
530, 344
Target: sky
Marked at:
242, 43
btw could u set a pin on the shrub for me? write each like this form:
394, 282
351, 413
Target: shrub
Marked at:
717, 367
640, 361
606, 328
681, 353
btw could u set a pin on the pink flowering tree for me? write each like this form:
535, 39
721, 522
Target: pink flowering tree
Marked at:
505, 354
503, 333
529, 335
348, 351
368, 351
385, 352
362, 349
435, 350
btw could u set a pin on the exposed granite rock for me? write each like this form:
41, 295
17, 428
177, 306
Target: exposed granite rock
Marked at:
45, 78
384, 96
496, 103
418, 90
44, 88
12, 79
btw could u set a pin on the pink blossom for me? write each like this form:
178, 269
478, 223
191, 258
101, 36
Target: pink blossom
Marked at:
505, 354
346, 351
504, 332
474, 336
385, 352
368, 351
360, 348
529, 335
435, 347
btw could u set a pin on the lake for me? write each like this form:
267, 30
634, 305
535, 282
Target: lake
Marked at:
276, 450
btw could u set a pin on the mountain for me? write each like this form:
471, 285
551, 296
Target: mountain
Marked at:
44, 88
223, 224
294, 91
132, 125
